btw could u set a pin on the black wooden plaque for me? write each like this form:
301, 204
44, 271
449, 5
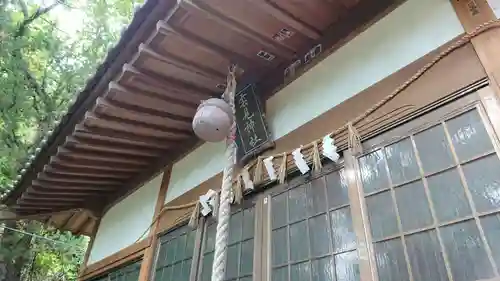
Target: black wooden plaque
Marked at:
253, 135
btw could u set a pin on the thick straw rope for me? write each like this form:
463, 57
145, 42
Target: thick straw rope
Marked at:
163, 210
221, 236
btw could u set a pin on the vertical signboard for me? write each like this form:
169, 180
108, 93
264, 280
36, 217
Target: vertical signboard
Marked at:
253, 135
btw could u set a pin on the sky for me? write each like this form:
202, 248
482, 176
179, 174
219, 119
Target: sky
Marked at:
69, 20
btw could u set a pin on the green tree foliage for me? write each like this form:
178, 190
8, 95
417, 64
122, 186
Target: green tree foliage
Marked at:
41, 254
42, 68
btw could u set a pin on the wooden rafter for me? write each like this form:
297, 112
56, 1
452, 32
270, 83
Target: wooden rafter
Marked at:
47, 185
285, 17
131, 76
106, 110
63, 172
118, 137
110, 158
190, 66
92, 121
78, 180
94, 167
235, 57
239, 29
125, 150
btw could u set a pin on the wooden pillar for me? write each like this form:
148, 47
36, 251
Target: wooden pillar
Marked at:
89, 246
487, 45
149, 253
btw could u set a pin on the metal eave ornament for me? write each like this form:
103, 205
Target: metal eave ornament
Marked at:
213, 120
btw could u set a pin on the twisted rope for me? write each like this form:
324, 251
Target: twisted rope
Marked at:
221, 236
459, 43
163, 210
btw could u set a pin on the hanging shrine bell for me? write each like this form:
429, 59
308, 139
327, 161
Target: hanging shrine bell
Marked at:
213, 120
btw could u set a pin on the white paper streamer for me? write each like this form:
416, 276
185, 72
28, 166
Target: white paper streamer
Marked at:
207, 203
247, 182
329, 149
268, 163
298, 157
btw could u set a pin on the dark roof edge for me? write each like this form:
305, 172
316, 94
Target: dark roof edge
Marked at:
144, 20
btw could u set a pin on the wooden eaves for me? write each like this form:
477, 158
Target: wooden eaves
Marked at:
134, 116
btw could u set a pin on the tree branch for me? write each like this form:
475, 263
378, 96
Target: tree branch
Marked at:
11, 137
31, 79
28, 20
24, 8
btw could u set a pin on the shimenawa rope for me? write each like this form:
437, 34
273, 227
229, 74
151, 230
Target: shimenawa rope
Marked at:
222, 233
258, 172
350, 125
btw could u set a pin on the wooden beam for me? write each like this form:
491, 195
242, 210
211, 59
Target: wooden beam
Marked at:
349, 3
64, 223
92, 121
242, 61
29, 196
473, 13
135, 118
57, 219
72, 166
82, 171
176, 109
56, 202
88, 227
118, 149
151, 62
131, 75
83, 266
68, 192
105, 108
79, 180
98, 175
41, 183
191, 66
280, 50
120, 137
94, 162
5, 214
160, 42
33, 213
77, 221
148, 259
100, 157
50, 205
300, 26
18, 207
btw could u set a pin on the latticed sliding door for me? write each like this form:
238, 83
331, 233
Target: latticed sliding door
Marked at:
433, 199
422, 204
312, 237
175, 257
128, 272
240, 251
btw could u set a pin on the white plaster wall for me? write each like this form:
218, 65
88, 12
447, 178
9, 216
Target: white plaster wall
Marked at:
125, 222
195, 168
495, 5
408, 33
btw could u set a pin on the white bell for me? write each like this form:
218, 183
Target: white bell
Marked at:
213, 120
